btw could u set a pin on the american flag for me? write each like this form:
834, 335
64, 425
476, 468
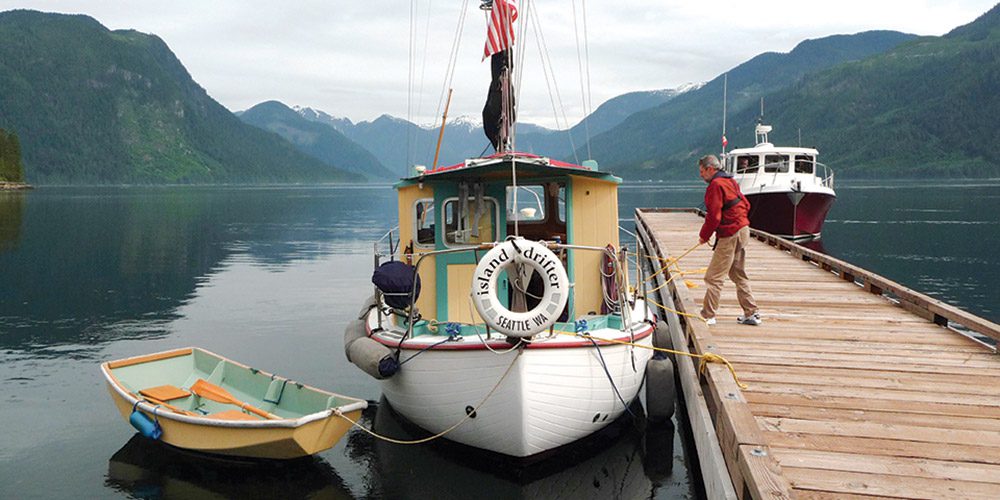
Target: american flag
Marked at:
500, 32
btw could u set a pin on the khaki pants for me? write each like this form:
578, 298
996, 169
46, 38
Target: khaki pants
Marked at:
729, 259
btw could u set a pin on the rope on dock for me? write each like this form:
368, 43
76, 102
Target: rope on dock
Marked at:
468, 414
704, 359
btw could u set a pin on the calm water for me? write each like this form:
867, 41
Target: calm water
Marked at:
267, 276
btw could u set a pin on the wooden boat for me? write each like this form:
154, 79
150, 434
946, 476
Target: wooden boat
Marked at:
528, 336
197, 400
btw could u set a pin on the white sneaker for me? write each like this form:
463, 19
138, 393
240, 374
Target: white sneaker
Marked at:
753, 319
710, 321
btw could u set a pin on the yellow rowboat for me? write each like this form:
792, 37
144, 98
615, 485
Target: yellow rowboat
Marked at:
194, 399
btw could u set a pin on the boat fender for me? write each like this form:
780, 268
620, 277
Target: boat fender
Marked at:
661, 336
660, 390
373, 358
535, 256
142, 423
355, 330
369, 304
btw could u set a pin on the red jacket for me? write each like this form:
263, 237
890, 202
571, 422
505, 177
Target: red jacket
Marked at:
722, 191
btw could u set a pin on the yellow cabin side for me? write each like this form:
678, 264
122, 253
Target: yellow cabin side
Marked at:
594, 222
408, 197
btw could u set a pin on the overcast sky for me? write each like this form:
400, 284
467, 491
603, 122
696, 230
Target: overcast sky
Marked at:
351, 58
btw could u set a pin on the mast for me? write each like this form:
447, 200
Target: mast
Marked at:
725, 88
499, 112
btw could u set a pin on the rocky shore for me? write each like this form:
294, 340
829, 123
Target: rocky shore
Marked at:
13, 186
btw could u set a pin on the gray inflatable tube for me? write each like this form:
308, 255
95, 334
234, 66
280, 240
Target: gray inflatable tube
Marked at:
372, 357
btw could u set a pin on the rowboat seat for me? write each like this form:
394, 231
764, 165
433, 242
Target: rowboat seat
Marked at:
231, 415
165, 392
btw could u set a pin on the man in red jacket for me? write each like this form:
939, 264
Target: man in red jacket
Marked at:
725, 215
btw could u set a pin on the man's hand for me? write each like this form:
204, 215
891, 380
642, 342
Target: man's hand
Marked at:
701, 241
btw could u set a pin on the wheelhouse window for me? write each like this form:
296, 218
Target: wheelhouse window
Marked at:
747, 164
470, 222
804, 164
530, 204
423, 219
775, 163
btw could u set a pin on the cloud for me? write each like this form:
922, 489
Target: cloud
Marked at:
353, 58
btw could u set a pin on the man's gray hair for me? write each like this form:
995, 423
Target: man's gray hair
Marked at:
709, 161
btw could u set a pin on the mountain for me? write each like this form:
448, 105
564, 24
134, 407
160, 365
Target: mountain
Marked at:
91, 105
930, 107
664, 141
320, 141
389, 138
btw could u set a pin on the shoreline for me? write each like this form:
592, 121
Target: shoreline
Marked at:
15, 186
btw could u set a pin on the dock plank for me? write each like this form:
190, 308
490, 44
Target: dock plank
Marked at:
855, 394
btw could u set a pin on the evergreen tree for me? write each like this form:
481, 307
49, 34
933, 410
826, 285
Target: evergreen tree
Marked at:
11, 169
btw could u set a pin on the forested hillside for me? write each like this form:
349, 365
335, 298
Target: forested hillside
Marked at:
92, 105
929, 107
663, 141
10, 158
320, 141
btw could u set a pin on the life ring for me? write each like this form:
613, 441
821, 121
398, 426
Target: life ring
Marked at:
537, 257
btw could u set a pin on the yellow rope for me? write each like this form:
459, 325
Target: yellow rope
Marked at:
442, 433
705, 358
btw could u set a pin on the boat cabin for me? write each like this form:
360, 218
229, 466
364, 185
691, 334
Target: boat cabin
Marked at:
458, 208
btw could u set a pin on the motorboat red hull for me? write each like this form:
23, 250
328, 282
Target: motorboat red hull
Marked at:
779, 214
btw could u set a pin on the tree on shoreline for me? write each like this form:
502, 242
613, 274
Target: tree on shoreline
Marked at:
11, 169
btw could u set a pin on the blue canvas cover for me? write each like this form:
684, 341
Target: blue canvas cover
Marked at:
396, 279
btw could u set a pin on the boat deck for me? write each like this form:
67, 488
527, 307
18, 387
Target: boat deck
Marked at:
857, 387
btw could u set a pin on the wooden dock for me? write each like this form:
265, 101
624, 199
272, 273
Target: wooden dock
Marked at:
857, 387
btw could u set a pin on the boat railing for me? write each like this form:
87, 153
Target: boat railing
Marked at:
620, 275
826, 178
387, 241
821, 172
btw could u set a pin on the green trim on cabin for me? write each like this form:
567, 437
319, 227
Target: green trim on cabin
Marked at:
443, 191
570, 239
598, 322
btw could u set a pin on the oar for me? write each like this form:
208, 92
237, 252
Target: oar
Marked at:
166, 405
208, 390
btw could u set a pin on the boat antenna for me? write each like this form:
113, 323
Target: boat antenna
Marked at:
725, 88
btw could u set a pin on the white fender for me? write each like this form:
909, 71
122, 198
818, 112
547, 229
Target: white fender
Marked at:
535, 256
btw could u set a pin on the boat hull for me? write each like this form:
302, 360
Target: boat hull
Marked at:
537, 399
288, 434
273, 442
790, 214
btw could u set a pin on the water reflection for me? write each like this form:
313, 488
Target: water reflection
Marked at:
11, 213
620, 461
151, 470
96, 265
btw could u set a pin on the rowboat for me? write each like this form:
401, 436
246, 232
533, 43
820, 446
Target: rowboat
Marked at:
198, 400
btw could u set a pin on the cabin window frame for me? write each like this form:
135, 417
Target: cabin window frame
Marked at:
444, 223
753, 164
807, 159
416, 225
542, 197
776, 167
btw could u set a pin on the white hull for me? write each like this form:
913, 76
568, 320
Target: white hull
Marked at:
550, 397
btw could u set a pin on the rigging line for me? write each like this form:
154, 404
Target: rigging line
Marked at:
409, 87
423, 64
555, 85
590, 93
579, 64
548, 86
449, 74
520, 50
